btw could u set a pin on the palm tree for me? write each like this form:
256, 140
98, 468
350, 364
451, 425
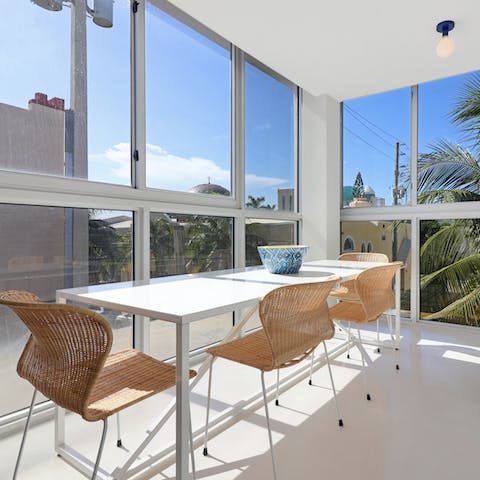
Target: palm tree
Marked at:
258, 202
449, 256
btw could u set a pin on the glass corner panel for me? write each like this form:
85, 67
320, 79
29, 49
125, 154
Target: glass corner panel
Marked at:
376, 150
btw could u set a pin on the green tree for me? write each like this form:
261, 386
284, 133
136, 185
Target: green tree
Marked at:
109, 252
258, 202
161, 245
358, 187
209, 244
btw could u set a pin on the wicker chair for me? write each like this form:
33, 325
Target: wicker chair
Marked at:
67, 358
374, 289
295, 320
346, 291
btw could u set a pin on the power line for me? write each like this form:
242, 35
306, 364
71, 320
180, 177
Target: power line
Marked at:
389, 143
369, 144
373, 124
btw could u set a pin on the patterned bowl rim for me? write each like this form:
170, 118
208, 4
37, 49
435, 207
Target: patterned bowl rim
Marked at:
300, 247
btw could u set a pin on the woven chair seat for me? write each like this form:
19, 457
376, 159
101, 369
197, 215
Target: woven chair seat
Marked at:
346, 292
349, 312
128, 377
252, 350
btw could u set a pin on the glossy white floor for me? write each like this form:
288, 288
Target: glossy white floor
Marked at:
423, 421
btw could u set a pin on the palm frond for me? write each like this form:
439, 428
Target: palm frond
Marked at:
458, 278
450, 244
466, 111
448, 167
465, 310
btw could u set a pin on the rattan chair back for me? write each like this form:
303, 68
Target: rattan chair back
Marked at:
18, 296
295, 319
364, 257
65, 353
375, 290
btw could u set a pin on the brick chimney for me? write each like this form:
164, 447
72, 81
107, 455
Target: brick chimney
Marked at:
42, 99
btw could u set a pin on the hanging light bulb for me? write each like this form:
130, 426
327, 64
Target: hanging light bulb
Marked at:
446, 45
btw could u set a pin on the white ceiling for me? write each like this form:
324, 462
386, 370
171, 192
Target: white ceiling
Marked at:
347, 49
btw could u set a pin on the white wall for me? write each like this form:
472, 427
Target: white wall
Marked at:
319, 175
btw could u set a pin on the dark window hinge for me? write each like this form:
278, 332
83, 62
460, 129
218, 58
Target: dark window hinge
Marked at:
135, 155
135, 7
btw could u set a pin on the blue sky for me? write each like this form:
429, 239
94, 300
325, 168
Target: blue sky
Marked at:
188, 105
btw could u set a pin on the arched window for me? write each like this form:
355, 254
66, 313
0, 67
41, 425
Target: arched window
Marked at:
363, 248
348, 244
369, 246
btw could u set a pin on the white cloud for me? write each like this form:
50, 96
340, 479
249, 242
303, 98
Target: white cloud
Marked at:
168, 171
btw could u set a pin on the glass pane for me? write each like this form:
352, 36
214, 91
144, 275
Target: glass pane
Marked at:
376, 150
386, 236
449, 266
189, 244
269, 141
266, 232
448, 140
188, 88
50, 248
43, 99
108, 57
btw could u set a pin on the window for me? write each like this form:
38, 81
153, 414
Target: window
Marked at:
448, 161
449, 266
188, 98
44, 122
266, 232
189, 244
376, 150
269, 141
348, 245
393, 238
50, 248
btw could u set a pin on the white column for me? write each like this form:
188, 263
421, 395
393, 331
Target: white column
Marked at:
320, 175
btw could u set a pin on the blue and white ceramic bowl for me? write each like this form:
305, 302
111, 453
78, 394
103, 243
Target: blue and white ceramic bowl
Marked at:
282, 258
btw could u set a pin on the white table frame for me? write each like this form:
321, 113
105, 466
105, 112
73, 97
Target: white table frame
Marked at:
252, 284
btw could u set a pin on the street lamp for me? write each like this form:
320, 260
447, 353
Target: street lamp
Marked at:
101, 14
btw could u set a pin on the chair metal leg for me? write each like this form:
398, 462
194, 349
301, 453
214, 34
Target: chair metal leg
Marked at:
397, 352
192, 452
27, 424
378, 335
268, 425
364, 370
119, 438
340, 421
349, 336
205, 449
100, 448
311, 368
278, 386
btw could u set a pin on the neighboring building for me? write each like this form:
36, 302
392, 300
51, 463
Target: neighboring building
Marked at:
44, 248
285, 199
210, 188
375, 236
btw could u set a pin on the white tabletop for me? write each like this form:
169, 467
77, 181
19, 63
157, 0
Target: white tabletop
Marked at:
187, 298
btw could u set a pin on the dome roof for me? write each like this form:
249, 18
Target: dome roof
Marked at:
210, 188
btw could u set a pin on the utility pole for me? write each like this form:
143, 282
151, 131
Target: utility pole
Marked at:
395, 200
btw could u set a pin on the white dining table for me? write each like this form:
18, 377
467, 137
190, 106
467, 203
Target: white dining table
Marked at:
181, 300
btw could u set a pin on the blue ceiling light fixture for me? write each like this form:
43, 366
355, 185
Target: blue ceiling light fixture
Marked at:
445, 46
